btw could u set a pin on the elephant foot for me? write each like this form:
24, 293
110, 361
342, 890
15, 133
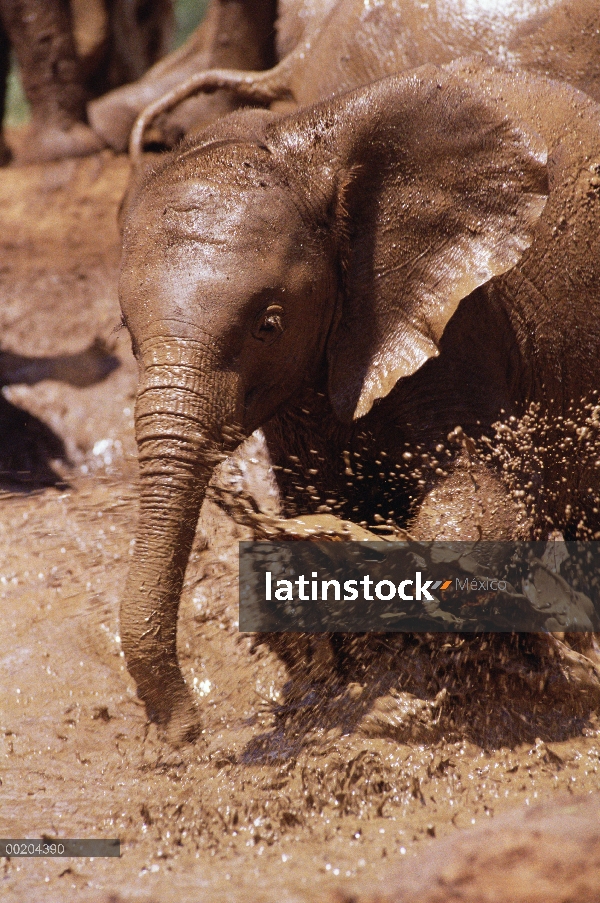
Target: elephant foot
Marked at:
42, 144
179, 721
190, 117
184, 725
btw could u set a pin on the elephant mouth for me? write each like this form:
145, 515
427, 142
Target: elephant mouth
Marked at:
258, 407
250, 397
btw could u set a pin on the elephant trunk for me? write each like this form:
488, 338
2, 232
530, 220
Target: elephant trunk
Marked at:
181, 407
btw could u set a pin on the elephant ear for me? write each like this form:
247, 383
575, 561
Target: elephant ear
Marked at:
438, 191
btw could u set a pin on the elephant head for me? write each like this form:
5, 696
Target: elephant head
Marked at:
329, 246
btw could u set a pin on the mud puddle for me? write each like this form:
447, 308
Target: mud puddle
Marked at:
292, 792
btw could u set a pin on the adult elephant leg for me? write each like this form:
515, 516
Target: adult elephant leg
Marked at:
141, 34
243, 39
177, 424
235, 34
112, 115
41, 35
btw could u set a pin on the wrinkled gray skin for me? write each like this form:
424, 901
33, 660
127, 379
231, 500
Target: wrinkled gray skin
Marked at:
325, 46
70, 51
303, 273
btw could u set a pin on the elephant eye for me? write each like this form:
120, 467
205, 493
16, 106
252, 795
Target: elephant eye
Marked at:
269, 323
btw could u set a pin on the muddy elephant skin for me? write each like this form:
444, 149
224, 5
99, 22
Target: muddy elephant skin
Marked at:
361, 41
355, 278
326, 46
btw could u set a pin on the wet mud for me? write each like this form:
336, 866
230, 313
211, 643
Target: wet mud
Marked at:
303, 786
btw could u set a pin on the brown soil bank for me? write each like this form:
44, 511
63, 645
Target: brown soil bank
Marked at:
291, 794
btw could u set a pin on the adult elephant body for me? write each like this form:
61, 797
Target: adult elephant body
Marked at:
355, 278
328, 46
361, 41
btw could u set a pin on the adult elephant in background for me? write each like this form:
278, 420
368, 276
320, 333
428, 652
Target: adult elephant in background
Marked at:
117, 41
236, 34
355, 278
346, 43
70, 51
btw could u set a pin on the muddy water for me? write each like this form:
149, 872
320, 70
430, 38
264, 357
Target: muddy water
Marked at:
293, 791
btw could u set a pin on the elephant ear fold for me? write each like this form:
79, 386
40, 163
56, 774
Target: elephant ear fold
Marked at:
443, 193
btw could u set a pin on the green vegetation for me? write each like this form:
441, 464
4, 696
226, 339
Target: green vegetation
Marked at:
17, 108
187, 15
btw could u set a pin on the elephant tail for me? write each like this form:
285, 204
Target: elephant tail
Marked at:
258, 87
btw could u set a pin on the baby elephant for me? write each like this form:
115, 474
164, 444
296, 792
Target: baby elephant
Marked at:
364, 278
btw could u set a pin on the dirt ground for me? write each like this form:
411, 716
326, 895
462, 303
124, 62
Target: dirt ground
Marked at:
351, 791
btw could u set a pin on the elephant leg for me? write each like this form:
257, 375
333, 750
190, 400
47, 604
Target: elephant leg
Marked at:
141, 33
472, 503
234, 35
112, 115
244, 38
5, 152
42, 38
